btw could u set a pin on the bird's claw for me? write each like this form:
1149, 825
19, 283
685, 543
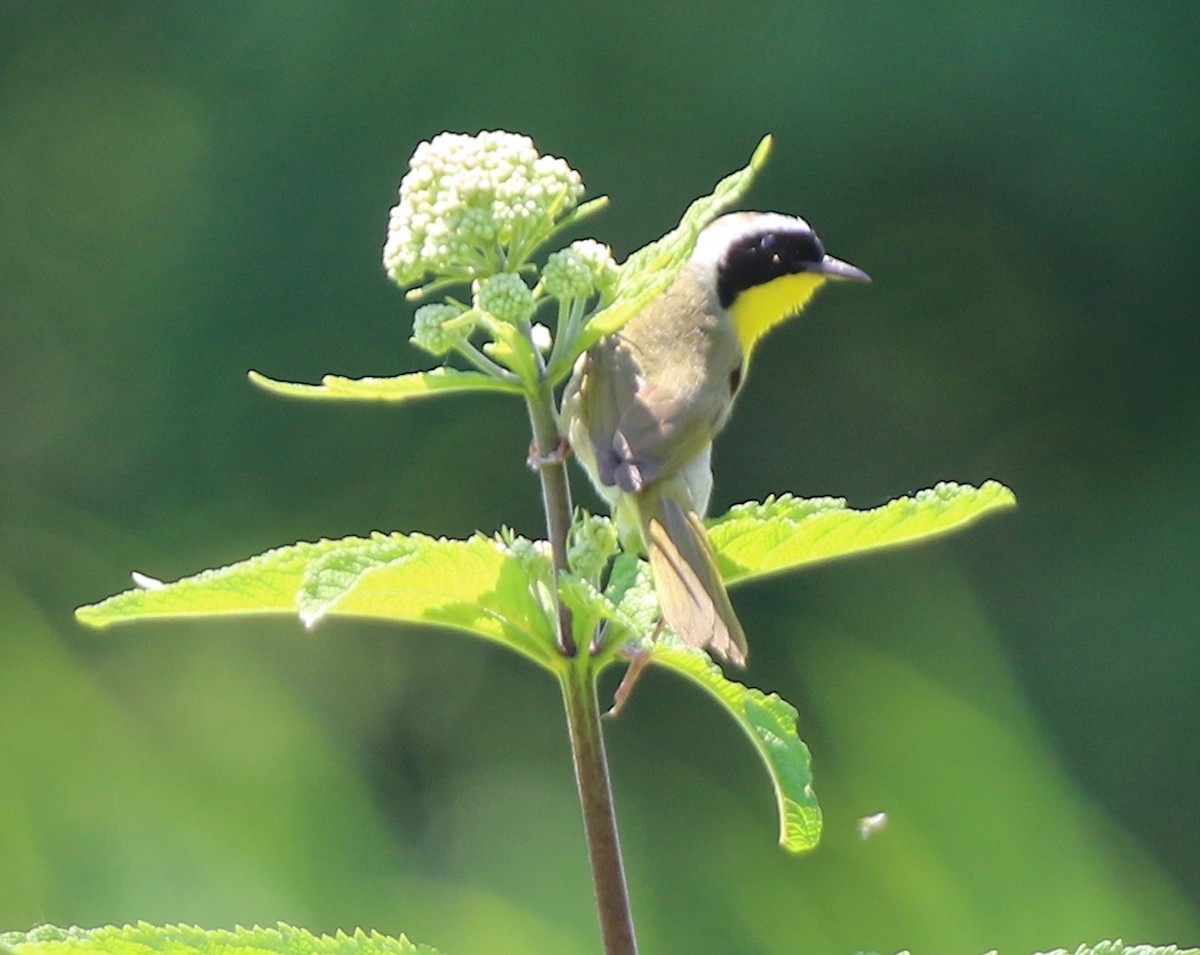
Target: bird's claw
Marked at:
536, 461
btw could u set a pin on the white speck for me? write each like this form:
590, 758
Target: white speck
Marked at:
870, 825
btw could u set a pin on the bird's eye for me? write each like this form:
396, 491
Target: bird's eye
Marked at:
771, 248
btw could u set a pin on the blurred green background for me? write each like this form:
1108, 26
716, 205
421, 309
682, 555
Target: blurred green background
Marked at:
191, 190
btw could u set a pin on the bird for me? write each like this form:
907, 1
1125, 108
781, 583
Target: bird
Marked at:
643, 404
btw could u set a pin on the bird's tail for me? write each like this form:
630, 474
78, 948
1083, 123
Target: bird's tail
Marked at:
690, 590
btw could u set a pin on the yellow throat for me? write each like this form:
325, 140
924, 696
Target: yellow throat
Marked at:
757, 310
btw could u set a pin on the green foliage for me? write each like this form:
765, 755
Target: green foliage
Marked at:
785, 532
1117, 947
511, 590
143, 938
196, 224
478, 585
501, 588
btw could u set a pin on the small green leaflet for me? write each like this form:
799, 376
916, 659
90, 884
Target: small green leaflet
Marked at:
476, 585
144, 938
770, 722
420, 384
784, 533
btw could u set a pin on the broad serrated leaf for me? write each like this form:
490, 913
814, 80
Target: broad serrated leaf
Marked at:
267, 583
771, 723
420, 384
475, 585
143, 939
783, 533
1117, 947
648, 271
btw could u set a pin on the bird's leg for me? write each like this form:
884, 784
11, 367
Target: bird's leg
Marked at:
638, 658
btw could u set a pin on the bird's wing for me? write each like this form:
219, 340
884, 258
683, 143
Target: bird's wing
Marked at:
640, 430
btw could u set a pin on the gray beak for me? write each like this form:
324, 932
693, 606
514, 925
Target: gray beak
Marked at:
837, 269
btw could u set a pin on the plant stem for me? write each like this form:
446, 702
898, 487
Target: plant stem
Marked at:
579, 695
595, 797
556, 495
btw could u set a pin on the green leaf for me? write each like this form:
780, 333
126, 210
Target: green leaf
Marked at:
577, 215
648, 271
631, 587
477, 585
144, 939
771, 724
267, 583
590, 608
785, 532
1117, 947
513, 350
419, 384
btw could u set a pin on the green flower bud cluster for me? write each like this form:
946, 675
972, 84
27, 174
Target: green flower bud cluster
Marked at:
473, 205
592, 543
505, 296
440, 328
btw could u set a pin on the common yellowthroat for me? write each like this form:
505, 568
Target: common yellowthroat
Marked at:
644, 404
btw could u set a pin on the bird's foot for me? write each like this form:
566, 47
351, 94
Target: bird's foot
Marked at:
638, 658
536, 460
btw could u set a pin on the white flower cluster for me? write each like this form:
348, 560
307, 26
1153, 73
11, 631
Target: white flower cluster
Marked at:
467, 200
579, 270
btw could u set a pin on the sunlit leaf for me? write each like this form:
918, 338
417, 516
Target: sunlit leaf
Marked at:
770, 722
143, 939
590, 608
649, 270
476, 585
420, 384
268, 583
1117, 947
784, 533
